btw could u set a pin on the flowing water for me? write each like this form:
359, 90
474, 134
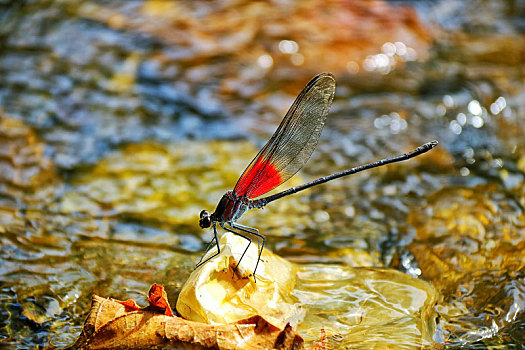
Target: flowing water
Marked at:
121, 120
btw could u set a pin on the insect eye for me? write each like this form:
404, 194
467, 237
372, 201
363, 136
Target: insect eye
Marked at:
205, 220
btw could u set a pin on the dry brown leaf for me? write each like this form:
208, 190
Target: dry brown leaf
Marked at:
111, 325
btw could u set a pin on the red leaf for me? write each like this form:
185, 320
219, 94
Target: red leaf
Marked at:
158, 300
130, 305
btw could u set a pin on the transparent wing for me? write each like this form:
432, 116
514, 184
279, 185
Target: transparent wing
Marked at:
293, 142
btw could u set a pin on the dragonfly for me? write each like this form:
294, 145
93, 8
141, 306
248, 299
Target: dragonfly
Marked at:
282, 157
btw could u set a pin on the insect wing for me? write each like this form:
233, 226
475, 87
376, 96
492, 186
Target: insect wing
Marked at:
293, 142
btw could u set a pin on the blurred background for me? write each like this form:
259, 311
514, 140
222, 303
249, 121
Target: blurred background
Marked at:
121, 120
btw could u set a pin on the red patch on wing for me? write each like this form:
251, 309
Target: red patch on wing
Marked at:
258, 180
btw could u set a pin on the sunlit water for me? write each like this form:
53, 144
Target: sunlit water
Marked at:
120, 121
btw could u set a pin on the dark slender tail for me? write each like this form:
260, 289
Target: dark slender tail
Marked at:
259, 203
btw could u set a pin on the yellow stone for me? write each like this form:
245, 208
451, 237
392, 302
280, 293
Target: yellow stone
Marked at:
217, 292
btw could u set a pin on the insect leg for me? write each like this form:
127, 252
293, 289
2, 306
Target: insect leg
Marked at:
254, 232
249, 230
200, 263
240, 235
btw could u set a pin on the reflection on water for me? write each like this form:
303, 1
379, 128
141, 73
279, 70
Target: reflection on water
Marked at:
120, 121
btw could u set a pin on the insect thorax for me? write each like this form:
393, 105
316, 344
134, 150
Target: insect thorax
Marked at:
230, 207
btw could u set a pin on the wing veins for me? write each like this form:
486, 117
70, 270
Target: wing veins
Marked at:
288, 149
